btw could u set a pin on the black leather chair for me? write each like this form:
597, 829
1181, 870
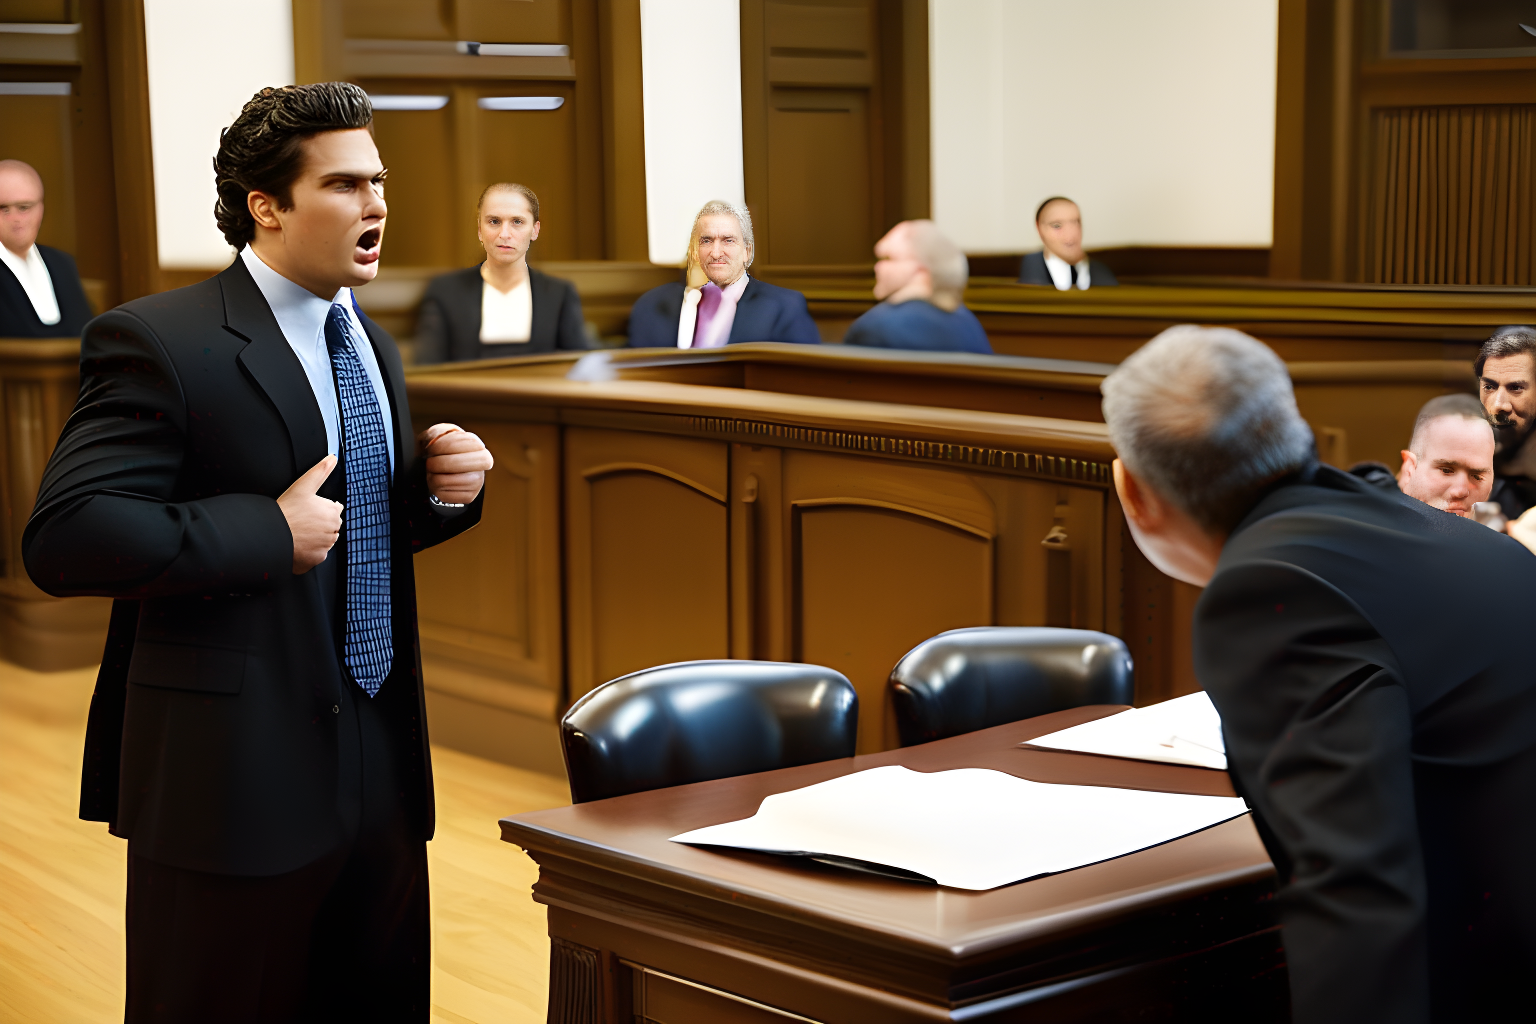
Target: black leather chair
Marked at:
700, 720
969, 679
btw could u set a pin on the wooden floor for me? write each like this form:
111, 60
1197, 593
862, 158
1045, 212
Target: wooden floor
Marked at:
62, 879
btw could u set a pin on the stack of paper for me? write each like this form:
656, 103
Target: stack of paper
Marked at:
1185, 730
972, 828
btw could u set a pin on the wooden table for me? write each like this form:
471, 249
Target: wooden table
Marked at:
643, 929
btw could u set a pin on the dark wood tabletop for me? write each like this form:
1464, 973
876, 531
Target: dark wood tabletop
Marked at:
614, 857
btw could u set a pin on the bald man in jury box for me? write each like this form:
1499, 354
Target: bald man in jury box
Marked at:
240, 474
1063, 264
920, 279
1379, 715
40, 291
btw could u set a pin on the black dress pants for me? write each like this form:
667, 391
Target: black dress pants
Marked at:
347, 937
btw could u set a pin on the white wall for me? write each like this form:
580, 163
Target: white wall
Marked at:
1158, 118
690, 53
205, 60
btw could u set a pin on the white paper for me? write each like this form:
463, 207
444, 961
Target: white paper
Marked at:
971, 828
1185, 730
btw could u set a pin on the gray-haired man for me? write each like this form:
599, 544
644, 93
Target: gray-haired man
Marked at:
1384, 736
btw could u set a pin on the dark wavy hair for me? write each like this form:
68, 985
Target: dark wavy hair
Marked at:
263, 151
1514, 340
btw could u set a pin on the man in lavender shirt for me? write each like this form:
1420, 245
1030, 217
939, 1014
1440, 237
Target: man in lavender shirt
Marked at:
720, 303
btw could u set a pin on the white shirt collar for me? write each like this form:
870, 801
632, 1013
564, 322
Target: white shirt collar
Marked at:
300, 312
1061, 272
32, 274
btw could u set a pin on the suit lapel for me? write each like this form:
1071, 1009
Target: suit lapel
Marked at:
270, 362
743, 309
542, 329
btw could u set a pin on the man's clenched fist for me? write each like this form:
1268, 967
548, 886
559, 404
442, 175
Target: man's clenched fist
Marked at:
456, 463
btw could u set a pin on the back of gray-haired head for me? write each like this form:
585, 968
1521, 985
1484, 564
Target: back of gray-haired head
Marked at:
946, 264
1513, 340
1207, 417
1464, 406
725, 206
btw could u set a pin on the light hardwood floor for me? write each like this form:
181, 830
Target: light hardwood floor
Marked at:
62, 879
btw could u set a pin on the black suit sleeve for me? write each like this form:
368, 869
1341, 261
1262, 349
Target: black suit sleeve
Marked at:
431, 333
570, 332
106, 520
1319, 734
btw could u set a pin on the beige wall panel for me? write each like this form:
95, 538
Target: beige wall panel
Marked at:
819, 202
646, 534
490, 601
884, 556
417, 147
37, 130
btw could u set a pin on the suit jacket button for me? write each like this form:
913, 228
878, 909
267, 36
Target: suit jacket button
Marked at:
335, 709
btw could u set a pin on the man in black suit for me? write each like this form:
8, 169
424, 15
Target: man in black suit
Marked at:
1379, 715
40, 291
1063, 264
240, 474
719, 303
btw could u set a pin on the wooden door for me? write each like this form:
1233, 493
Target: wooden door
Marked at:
834, 124
646, 552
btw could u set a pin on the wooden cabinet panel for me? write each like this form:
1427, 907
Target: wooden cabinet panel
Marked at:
396, 19
536, 148
646, 534
819, 202
882, 557
519, 21
489, 602
1049, 585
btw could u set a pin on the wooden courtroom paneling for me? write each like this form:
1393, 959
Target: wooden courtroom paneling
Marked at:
834, 123
1400, 159
39, 380
490, 610
706, 518
646, 552
883, 557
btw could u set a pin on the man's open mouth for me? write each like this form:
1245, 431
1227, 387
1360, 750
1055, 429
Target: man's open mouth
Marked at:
368, 245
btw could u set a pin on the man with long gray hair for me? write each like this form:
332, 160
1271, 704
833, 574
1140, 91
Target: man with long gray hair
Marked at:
1382, 731
719, 303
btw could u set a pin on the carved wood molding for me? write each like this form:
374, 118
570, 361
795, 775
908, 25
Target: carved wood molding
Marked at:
1054, 467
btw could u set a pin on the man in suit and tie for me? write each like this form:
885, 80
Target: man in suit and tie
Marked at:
1379, 716
40, 291
1063, 264
241, 476
720, 303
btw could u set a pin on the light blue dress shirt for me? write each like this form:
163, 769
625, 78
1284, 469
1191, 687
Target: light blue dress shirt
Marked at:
301, 316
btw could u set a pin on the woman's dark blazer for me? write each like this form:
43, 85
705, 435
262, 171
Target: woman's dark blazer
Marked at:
448, 328
765, 312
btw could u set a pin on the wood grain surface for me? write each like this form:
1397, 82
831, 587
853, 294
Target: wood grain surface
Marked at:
62, 879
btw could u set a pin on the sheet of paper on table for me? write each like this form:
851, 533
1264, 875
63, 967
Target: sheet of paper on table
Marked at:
1185, 730
971, 828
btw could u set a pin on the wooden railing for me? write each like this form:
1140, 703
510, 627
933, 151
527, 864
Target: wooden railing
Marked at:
39, 379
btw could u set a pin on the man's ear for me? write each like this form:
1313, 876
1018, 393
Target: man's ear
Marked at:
263, 209
1410, 464
1140, 504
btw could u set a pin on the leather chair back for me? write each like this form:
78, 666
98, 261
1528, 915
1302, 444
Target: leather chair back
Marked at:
969, 679
700, 720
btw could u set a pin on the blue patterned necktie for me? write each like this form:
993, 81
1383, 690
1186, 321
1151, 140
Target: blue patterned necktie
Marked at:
367, 649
